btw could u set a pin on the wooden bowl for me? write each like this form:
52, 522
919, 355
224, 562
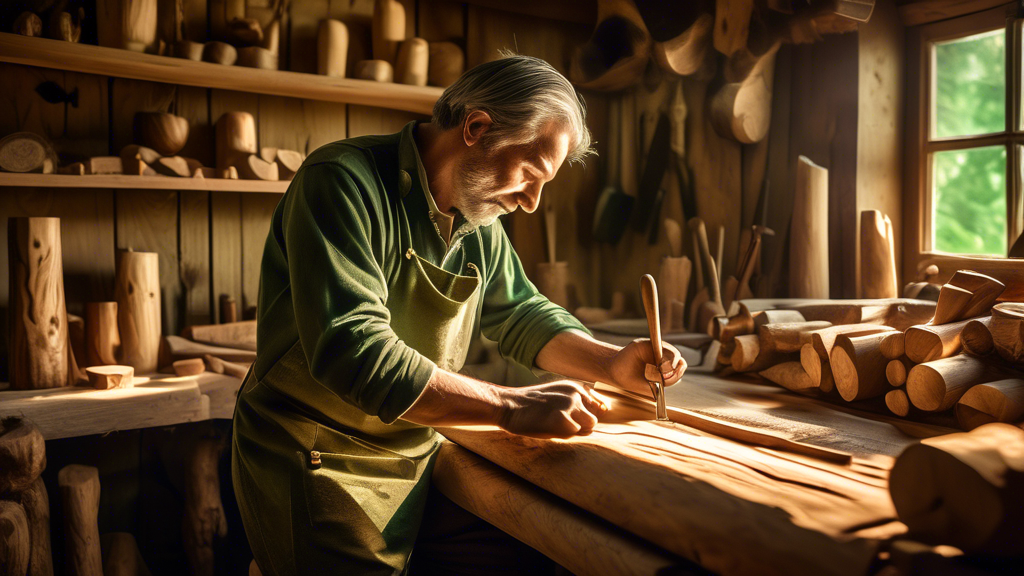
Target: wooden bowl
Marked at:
163, 132
1007, 327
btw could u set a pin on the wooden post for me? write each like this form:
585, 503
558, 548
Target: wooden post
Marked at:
859, 367
38, 336
137, 291
80, 496
877, 256
411, 64
22, 454
937, 385
999, 401
102, 339
388, 29
204, 512
965, 490
14, 538
925, 343
36, 503
236, 138
808, 243
332, 48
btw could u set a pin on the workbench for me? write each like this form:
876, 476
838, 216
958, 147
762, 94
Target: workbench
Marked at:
638, 496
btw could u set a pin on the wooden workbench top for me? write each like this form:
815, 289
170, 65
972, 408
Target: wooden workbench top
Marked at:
734, 508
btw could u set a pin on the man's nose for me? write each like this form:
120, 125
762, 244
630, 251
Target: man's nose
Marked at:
529, 199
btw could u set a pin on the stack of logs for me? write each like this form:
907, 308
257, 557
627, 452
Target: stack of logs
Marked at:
964, 352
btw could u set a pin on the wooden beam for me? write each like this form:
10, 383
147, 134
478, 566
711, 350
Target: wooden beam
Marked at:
925, 11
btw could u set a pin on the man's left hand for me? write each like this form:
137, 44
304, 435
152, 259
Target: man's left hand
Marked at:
627, 367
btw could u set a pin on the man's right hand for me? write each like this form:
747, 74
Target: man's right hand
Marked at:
553, 410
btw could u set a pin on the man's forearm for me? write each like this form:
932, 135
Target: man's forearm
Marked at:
451, 399
575, 355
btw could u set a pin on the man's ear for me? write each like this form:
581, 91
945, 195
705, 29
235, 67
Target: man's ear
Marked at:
477, 124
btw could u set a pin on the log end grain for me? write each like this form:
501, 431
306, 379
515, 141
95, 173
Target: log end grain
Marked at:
897, 402
892, 346
896, 372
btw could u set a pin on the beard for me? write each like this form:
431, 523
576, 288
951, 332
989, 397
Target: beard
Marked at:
476, 181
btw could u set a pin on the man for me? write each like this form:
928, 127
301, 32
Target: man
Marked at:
382, 261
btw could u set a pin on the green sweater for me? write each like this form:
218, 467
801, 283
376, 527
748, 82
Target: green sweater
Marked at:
352, 211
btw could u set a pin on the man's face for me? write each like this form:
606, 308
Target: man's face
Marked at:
496, 182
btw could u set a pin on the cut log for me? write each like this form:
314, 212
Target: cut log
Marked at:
163, 132
893, 345
859, 367
808, 244
877, 256
15, 547
925, 343
236, 138
896, 371
824, 339
111, 377
218, 366
999, 401
789, 375
787, 337
36, 503
376, 70
686, 53
22, 454
986, 290
897, 402
137, 291
102, 339
38, 325
952, 304
27, 152
241, 335
332, 49
189, 367
818, 368
121, 556
388, 29
898, 313
976, 338
749, 357
447, 63
179, 348
937, 385
412, 61
964, 489
204, 512
1006, 326
80, 496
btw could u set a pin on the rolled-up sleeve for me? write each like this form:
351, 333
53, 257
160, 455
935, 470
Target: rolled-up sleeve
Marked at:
334, 239
515, 314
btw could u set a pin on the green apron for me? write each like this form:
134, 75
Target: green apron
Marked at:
357, 508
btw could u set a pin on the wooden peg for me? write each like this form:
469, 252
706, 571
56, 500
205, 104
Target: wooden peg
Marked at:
332, 48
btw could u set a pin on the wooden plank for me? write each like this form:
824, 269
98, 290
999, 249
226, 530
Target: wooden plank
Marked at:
578, 541
147, 221
194, 104
23, 110
440, 20
257, 212
126, 64
195, 20
140, 183
70, 412
672, 489
300, 125
925, 11
584, 13
363, 120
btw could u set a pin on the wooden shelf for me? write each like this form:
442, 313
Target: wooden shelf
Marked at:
140, 183
61, 55
155, 400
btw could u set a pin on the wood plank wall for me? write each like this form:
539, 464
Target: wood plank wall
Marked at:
219, 237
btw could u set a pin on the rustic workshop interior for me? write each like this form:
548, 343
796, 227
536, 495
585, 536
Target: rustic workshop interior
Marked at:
818, 203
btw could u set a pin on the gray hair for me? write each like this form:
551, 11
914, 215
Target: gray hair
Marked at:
521, 94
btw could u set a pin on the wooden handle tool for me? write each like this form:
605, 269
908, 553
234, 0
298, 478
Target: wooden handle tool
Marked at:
649, 294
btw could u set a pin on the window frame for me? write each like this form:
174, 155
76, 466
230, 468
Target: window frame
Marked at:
918, 251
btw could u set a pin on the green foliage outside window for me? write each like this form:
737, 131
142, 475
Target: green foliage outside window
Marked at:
969, 201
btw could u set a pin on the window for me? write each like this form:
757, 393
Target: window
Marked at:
965, 139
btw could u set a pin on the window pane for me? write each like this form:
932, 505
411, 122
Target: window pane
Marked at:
969, 201
970, 85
